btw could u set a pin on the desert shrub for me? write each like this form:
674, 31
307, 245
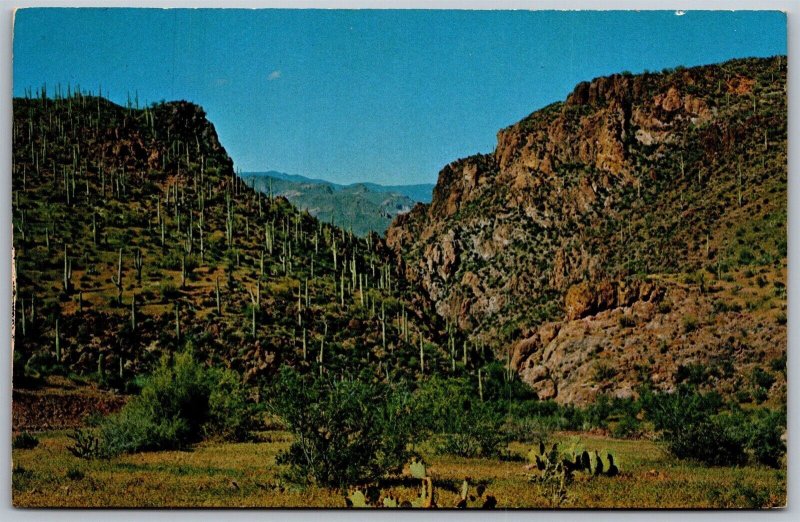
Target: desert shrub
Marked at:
762, 379
693, 373
628, 426
502, 390
603, 372
743, 396
345, 431
706, 441
75, 474
597, 413
689, 323
85, 444
180, 404
465, 425
475, 432
168, 291
530, 429
230, 413
779, 364
765, 438
759, 394
548, 413
690, 429
740, 495
24, 441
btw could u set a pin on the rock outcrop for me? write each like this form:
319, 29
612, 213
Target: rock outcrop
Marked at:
583, 199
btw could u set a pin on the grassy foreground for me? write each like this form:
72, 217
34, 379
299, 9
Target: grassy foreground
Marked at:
246, 475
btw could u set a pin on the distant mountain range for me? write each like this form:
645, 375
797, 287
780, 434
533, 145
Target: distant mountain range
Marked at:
364, 207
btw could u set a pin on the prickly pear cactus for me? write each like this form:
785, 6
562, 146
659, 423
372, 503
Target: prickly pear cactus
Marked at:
467, 500
417, 469
357, 499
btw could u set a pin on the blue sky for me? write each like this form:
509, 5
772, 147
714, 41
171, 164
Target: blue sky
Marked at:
383, 96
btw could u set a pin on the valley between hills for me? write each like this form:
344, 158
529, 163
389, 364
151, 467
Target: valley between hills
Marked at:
610, 281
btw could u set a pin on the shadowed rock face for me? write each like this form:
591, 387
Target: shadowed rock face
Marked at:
585, 200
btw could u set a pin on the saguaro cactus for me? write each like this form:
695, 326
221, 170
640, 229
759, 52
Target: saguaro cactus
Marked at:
183, 271
138, 264
421, 356
254, 302
118, 279
101, 373
67, 271
219, 307
58, 343
133, 312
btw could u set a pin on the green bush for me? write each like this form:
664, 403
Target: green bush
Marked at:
627, 427
779, 364
762, 379
345, 432
550, 414
169, 291
603, 372
464, 425
689, 323
690, 429
475, 432
765, 438
24, 441
597, 413
693, 373
180, 404
75, 474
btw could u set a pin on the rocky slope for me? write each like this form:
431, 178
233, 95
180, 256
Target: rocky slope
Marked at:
633, 229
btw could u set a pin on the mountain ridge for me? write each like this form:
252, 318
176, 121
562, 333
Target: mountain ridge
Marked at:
363, 207
418, 192
596, 212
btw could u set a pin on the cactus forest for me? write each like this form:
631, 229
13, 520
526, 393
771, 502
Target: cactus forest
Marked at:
591, 315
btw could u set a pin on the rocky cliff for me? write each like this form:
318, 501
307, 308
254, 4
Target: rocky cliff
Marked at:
603, 225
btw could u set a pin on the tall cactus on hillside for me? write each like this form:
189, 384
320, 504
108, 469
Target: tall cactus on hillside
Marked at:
183, 271
178, 320
219, 304
94, 227
67, 271
22, 315
138, 263
383, 325
421, 356
58, 343
118, 279
254, 302
133, 312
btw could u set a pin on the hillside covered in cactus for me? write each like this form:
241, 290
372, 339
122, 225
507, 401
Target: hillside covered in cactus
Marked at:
133, 237
636, 229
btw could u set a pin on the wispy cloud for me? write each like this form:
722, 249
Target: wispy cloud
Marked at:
274, 75
221, 82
